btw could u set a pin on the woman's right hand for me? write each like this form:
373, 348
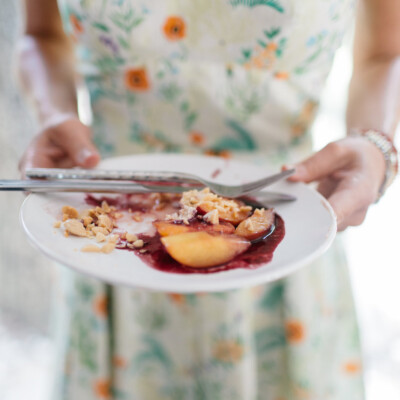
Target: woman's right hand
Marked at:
66, 144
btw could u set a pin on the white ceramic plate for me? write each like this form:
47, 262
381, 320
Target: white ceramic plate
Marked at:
310, 229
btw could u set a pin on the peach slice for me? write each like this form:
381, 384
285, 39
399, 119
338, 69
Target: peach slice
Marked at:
232, 211
167, 228
257, 225
223, 227
203, 250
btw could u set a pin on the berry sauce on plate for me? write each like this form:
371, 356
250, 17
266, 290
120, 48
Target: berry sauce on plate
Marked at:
154, 254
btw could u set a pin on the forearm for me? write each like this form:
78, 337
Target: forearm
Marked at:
374, 95
46, 71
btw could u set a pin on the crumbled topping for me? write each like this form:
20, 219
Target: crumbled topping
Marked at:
104, 221
185, 214
106, 208
137, 217
212, 217
138, 243
69, 213
108, 248
87, 221
210, 201
113, 238
75, 227
91, 248
100, 237
259, 212
130, 237
57, 224
249, 225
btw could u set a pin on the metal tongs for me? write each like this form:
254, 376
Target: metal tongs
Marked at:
123, 181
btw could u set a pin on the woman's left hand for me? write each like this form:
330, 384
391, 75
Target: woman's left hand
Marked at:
349, 173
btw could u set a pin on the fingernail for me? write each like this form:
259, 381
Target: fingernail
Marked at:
84, 155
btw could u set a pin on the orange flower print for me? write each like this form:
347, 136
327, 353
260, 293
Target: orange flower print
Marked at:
177, 298
218, 153
272, 46
228, 351
100, 304
282, 75
225, 154
136, 79
294, 331
303, 119
76, 24
174, 28
352, 367
197, 138
102, 389
119, 362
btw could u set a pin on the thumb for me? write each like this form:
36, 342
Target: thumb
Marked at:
319, 165
75, 139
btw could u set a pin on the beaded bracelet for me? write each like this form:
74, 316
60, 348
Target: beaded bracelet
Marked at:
385, 144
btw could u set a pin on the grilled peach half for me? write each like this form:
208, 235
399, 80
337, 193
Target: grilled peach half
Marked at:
204, 250
257, 225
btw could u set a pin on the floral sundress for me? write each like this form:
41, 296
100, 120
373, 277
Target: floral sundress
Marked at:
229, 78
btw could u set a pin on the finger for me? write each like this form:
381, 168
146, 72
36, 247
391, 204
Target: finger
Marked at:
332, 157
350, 196
74, 138
354, 220
37, 155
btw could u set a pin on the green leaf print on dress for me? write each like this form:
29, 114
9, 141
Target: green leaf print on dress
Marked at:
126, 20
152, 356
253, 3
242, 142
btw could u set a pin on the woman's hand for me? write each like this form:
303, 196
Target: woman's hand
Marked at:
64, 145
349, 173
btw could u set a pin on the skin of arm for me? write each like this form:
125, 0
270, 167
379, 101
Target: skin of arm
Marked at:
350, 171
45, 65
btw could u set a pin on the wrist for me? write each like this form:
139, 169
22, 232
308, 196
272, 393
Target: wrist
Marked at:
385, 145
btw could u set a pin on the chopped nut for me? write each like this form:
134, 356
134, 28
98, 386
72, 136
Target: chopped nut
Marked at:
143, 251
105, 222
138, 243
71, 212
106, 208
130, 237
91, 248
212, 217
123, 235
97, 229
113, 238
118, 215
108, 248
248, 223
66, 234
137, 217
57, 224
75, 227
100, 237
87, 221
